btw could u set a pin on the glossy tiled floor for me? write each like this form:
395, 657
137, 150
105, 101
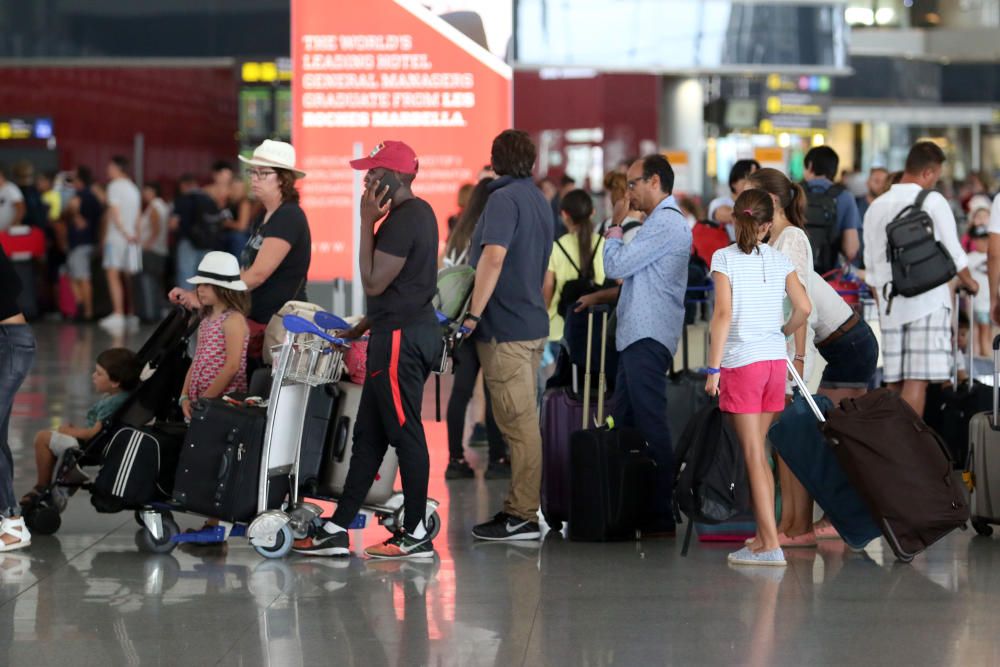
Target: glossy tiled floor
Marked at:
87, 597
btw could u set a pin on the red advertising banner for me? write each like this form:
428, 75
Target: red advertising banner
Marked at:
365, 72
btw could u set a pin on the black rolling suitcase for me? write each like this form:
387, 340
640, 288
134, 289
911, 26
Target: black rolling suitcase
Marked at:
219, 470
949, 409
612, 475
138, 467
316, 432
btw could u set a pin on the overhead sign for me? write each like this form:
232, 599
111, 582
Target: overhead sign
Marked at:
386, 69
795, 103
25, 128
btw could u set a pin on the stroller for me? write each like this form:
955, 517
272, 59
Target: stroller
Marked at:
164, 360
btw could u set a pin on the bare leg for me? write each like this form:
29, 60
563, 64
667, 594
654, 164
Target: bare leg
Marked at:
45, 460
128, 303
914, 392
751, 435
77, 287
985, 339
786, 479
116, 291
87, 298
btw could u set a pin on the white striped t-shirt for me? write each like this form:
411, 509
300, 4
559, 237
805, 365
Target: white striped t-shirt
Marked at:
758, 284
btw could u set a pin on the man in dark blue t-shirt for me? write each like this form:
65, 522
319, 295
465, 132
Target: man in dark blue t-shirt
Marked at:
510, 250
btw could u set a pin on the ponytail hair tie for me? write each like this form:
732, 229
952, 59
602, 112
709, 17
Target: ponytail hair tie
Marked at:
748, 212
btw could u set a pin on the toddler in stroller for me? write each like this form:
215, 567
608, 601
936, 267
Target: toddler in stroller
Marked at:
162, 364
115, 376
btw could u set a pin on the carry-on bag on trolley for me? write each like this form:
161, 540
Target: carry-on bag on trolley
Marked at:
340, 445
219, 467
983, 473
798, 438
685, 390
949, 409
612, 476
902, 469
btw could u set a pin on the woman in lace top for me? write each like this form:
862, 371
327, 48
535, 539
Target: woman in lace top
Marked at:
789, 237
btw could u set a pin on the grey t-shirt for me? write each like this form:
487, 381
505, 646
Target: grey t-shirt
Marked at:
517, 217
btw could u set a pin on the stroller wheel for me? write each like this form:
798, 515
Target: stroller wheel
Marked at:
43, 519
145, 541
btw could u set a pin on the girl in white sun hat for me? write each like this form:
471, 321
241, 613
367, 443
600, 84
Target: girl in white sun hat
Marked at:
220, 361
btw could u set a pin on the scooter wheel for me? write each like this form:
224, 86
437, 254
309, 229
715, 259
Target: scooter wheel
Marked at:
433, 525
282, 544
43, 519
982, 528
145, 541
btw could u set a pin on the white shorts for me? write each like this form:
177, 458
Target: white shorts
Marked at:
919, 350
78, 262
61, 443
122, 256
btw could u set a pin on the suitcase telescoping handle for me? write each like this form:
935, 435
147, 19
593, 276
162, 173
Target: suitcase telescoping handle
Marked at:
970, 359
601, 382
804, 390
996, 382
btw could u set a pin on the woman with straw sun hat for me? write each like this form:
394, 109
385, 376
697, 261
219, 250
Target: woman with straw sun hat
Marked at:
275, 260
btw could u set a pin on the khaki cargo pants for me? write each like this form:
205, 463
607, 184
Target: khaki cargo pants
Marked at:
511, 371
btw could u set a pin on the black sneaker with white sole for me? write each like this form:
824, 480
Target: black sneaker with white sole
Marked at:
504, 527
324, 544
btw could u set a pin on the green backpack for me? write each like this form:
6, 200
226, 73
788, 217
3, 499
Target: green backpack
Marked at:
454, 291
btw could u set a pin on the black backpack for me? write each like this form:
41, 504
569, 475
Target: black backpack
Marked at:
583, 284
919, 261
821, 225
711, 484
208, 229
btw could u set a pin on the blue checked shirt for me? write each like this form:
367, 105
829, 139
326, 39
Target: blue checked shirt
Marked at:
654, 270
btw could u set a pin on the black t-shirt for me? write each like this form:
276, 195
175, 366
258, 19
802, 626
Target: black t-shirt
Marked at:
410, 231
288, 282
90, 211
11, 287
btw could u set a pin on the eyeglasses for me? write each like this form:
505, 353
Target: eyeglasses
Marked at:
631, 184
260, 174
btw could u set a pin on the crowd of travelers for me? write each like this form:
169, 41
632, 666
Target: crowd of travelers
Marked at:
542, 257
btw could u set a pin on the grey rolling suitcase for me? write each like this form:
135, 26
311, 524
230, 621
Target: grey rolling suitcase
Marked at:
983, 473
337, 459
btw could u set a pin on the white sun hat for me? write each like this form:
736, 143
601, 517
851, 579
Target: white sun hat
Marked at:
219, 268
276, 154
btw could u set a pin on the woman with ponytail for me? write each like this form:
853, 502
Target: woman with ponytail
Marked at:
747, 362
788, 236
576, 266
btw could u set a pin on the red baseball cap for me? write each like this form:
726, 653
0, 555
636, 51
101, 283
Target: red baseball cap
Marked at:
391, 155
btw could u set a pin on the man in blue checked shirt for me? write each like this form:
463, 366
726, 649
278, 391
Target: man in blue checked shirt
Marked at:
654, 269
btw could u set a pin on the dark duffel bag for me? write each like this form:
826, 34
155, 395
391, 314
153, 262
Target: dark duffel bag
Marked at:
138, 467
219, 470
901, 468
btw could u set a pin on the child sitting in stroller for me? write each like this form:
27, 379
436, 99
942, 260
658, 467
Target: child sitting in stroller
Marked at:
115, 375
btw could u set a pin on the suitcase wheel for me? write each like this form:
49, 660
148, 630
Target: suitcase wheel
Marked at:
555, 525
282, 544
145, 541
43, 519
982, 528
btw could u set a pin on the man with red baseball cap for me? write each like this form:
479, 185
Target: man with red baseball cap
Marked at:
399, 274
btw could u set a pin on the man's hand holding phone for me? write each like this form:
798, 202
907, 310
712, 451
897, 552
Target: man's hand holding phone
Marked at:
377, 199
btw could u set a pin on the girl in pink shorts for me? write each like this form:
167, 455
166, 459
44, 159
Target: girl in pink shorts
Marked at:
747, 354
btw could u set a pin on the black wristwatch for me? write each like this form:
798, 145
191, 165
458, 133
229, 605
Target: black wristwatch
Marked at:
470, 316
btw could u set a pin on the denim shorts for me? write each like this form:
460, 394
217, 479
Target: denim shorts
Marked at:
851, 359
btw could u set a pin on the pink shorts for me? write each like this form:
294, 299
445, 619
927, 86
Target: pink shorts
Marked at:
755, 388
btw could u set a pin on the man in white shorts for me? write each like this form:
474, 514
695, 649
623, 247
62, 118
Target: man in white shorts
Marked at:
122, 253
916, 331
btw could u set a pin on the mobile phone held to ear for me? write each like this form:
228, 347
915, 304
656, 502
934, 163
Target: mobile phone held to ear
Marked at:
388, 178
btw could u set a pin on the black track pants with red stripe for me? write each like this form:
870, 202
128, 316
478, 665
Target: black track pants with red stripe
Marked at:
399, 363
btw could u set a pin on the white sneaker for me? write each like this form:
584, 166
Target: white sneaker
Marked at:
113, 321
133, 321
15, 527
